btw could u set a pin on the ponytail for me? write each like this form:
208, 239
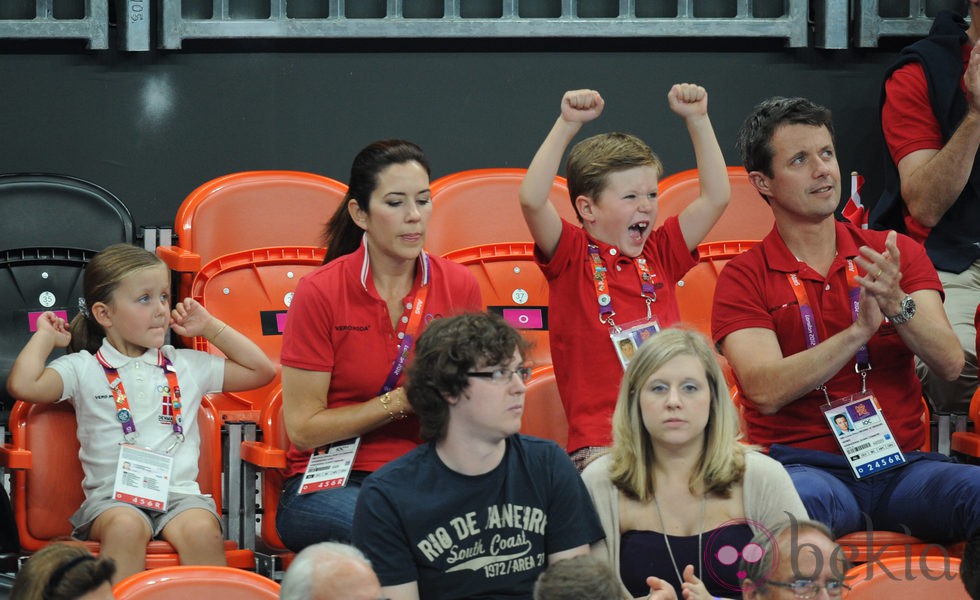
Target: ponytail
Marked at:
86, 333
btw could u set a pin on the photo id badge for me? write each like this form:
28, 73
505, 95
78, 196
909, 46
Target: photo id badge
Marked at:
330, 469
863, 434
143, 477
628, 338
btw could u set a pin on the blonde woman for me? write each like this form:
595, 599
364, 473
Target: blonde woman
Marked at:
679, 497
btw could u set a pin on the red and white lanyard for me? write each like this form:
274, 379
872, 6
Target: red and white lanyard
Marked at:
407, 331
603, 296
124, 414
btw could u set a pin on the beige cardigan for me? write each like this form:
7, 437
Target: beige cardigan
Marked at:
767, 494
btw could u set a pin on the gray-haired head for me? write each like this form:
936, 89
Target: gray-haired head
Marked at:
330, 571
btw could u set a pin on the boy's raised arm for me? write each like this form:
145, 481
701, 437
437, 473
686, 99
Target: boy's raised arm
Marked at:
690, 102
577, 107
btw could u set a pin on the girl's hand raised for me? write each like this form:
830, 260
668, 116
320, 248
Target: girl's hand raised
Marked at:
57, 327
189, 319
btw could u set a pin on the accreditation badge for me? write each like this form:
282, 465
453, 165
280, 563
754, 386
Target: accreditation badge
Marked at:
143, 477
628, 338
863, 434
330, 469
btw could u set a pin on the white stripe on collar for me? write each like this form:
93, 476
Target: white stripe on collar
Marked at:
117, 360
366, 264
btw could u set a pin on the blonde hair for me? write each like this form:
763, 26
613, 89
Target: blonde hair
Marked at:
102, 276
722, 460
592, 160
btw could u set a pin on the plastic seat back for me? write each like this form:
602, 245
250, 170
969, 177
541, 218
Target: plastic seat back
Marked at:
696, 291
45, 210
47, 477
481, 206
968, 442
50, 227
46, 495
187, 581
252, 209
47, 489
255, 209
251, 291
898, 578
514, 287
544, 415
747, 217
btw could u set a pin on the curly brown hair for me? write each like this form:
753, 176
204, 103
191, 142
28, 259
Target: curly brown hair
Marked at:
446, 351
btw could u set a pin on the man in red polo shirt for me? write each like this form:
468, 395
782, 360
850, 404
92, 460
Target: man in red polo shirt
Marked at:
930, 117
823, 318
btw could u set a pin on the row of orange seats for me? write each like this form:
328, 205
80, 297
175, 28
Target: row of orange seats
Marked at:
245, 239
231, 256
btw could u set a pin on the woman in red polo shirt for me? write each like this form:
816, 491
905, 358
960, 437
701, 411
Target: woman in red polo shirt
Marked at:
349, 336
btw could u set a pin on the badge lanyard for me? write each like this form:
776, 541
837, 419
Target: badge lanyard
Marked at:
408, 330
123, 413
868, 444
329, 467
862, 358
603, 297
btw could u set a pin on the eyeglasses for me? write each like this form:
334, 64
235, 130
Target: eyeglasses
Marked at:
807, 588
502, 376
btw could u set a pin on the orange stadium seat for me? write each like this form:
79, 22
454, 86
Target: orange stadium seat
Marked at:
251, 291
481, 206
968, 442
188, 581
514, 287
747, 217
47, 478
544, 415
896, 578
252, 209
696, 291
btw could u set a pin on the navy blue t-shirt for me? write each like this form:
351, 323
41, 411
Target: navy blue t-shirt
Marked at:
484, 536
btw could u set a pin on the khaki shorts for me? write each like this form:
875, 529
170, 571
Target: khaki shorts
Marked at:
83, 518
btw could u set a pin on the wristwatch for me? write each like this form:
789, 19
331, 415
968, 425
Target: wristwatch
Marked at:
907, 312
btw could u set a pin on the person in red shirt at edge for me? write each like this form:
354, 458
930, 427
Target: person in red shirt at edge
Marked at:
612, 279
822, 318
350, 333
930, 117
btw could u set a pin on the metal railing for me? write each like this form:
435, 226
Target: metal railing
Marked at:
874, 19
182, 19
834, 23
86, 20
